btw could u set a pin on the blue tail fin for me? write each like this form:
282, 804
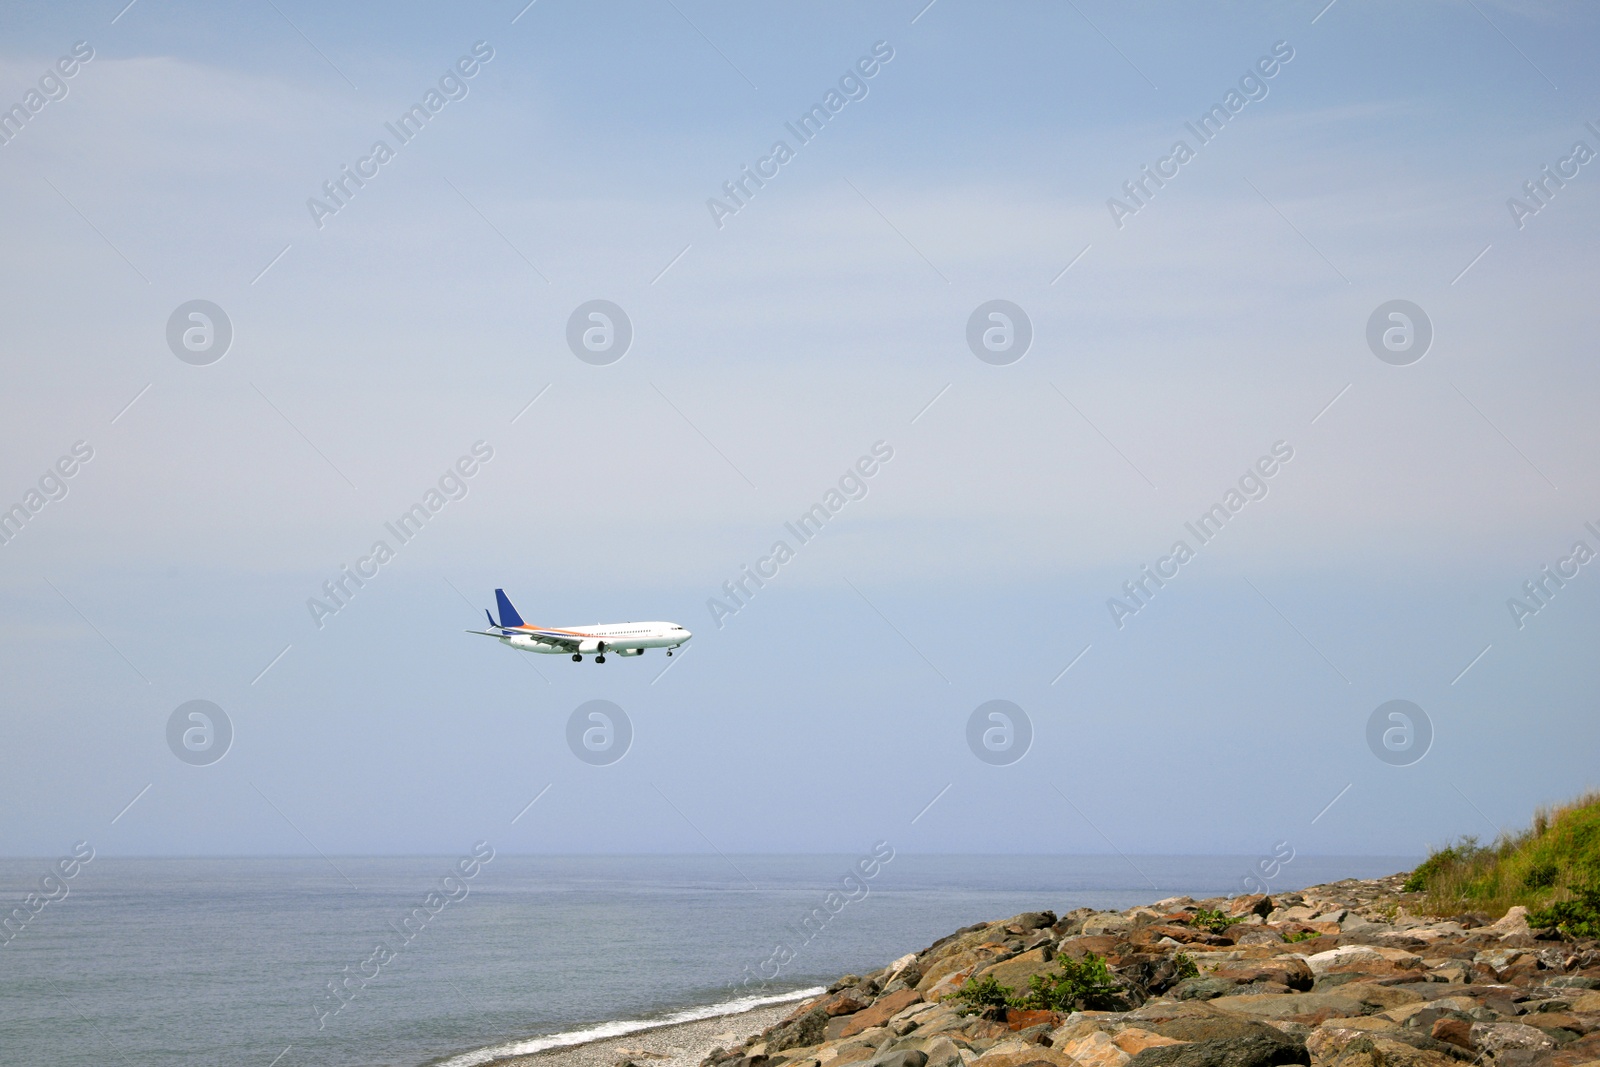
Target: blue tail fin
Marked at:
508, 614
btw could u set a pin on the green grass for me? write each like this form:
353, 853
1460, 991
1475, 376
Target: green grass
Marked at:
1553, 868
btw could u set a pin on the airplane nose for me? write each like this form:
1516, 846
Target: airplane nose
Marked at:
687, 635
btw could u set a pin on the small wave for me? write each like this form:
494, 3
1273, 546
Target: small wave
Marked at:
620, 1027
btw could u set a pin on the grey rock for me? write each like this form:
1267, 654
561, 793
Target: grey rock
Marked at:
904, 1058
1498, 1037
1071, 924
1258, 1049
809, 1029
1203, 988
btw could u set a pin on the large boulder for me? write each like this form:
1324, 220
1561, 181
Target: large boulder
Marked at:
1251, 904
1134, 1040
1094, 1049
904, 1058
939, 1050
1351, 999
1016, 971
1107, 922
1208, 1026
1499, 1037
934, 972
1291, 971
1585, 1001
1203, 988
1263, 1048
1379, 1050
847, 1001
1018, 1053
809, 1029
882, 1010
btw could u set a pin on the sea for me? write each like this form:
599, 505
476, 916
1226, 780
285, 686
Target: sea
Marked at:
206, 962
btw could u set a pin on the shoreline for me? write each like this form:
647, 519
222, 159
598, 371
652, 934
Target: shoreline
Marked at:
678, 1039
1343, 974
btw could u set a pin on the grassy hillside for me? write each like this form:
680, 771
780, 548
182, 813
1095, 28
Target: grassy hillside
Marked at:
1553, 868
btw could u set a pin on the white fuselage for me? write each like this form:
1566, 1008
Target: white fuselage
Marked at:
623, 638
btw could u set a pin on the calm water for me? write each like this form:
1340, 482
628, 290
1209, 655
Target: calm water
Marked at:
222, 961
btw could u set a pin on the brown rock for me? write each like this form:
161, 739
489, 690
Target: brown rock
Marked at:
1354, 998
853, 1054
1579, 1053
1455, 1031
846, 1002
1369, 1023
1083, 944
1251, 904
1560, 1020
836, 1027
1520, 973
1133, 1040
1094, 1049
809, 1029
1187, 935
1310, 1008
985, 1030
1376, 1050
882, 1010
966, 960
1023, 1018
945, 987
1204, 1026
1016, 971
1289, 971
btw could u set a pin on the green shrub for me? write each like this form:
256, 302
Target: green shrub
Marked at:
1075, 985
1186, 966
1541, 876
985, 994
1212, 920
1578, 916
1301, 935
1445, 861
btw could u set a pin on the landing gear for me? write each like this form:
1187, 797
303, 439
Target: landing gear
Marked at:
577, 658
669, 651
599, 659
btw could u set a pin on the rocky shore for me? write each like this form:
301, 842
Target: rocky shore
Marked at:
1339, 975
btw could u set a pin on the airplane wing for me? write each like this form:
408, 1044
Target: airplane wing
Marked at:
560, 640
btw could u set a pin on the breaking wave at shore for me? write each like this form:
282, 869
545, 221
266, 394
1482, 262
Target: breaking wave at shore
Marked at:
619, 1028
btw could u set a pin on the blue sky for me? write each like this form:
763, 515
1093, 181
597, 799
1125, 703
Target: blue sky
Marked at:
1227, 314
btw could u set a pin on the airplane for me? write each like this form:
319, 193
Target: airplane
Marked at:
623, 638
